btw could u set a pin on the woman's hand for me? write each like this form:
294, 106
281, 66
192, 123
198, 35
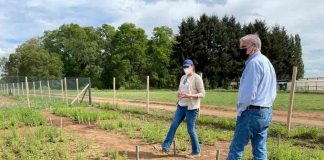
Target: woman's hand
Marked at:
178, 95
188, 96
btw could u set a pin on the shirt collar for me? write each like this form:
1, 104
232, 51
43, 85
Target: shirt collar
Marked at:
252, 56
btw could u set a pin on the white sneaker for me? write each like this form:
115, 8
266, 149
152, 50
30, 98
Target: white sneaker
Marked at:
193, 156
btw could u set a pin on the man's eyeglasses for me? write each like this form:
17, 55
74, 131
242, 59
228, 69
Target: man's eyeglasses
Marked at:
185, 66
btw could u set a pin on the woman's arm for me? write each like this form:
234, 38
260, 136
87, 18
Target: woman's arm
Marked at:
200, 87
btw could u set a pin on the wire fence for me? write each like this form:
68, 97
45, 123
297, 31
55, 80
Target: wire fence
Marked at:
309, 86
67, 88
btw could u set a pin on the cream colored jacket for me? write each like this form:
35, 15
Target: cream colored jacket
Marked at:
192, 85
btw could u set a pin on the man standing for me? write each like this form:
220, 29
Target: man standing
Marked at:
256, 95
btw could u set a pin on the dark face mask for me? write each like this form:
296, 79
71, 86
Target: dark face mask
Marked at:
243, 54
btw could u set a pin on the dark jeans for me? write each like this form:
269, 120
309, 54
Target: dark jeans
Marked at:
191, 116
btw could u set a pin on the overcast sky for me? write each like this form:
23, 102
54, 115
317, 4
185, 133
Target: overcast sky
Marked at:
23, 19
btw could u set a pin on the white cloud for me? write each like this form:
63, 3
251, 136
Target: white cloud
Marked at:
21, 20
4, 52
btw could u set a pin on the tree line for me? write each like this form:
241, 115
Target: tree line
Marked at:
128, 54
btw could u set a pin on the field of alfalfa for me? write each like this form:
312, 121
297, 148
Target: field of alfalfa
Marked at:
50, 129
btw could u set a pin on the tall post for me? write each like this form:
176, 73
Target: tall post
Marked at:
22, 88
62, 86
27, 91
7, 88
291, 99
148, 93
13, 88
114, 90
41, 89
65, 86
90, 96
77, 86
49, 89
18, 89
34, 89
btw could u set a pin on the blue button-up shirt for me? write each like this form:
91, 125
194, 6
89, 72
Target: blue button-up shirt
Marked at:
257, 84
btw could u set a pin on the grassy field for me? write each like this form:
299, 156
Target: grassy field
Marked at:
26, 134
303, 142
303, 101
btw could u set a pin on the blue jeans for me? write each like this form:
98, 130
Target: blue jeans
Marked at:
252, 124
191, 116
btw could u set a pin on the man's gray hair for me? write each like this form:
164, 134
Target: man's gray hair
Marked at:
252, 39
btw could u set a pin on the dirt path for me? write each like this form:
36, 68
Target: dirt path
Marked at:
5, 100
304, 118
104, 140
279, 116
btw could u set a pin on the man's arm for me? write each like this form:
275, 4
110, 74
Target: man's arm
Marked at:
250, 82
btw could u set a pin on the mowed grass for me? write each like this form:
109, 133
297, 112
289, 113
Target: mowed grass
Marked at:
303, 101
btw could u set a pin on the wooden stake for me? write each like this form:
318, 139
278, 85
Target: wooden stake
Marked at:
79, 120
77, 86
89, 122
291, 99
27, 92
49, 89
34, 89
66, 96
18, 89
61, 123
51, 121
62, 90
143, 118
40, 87
22, 88
148, 94
137, 153
278, 139
218, 154
13, 88
114, 90
174, 148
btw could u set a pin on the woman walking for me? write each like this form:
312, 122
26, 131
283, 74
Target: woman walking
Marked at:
191, 90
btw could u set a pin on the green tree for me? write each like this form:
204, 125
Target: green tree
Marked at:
79, 50
31, 59
129, 56
158, 55
298, 59
280, 53
3, 61
107, 33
